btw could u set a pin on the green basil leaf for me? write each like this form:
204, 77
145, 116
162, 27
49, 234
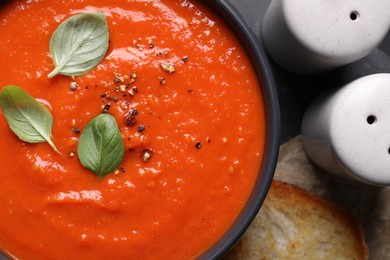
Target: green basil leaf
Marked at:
30, 120
79, 44
101, 147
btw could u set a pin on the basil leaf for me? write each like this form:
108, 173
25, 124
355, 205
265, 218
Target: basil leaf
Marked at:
79, 44
101, 147
30, 120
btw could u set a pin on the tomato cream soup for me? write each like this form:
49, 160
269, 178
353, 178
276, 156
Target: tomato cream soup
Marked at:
188, 107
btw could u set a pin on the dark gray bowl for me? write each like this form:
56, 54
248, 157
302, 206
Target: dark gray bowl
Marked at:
259, 60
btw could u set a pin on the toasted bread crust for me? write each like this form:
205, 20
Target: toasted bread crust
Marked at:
296, 224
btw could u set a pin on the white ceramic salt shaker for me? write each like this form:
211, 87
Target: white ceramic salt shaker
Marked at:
347, 131
313, 36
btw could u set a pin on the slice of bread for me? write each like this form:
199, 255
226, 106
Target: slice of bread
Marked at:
296, 224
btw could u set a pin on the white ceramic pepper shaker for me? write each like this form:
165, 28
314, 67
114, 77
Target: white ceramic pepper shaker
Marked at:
313, 36
347, 131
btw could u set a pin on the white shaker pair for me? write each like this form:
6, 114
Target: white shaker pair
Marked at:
347, 130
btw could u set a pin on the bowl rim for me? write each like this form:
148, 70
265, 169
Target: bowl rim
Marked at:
259, 59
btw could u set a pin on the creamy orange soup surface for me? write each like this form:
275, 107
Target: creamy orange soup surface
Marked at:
193, 138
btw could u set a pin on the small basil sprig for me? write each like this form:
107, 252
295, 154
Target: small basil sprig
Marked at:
28, 119
101, 147
79, 44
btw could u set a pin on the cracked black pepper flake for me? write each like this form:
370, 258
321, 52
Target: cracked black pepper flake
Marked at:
197, 145
141, 128
185, 59
76, 130
134, 112
130, 119
106, 108
103, 95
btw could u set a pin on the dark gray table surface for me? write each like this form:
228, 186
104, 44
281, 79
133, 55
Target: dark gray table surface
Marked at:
296, 92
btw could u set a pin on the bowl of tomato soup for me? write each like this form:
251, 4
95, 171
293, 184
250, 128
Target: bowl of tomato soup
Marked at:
131, 129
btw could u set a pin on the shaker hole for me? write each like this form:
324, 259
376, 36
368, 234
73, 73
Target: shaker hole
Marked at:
388, 150
354, 15
371, 119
